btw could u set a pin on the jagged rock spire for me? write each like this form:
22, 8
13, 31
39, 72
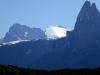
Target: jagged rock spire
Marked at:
86, 5
84, 10
88, 14
94, 8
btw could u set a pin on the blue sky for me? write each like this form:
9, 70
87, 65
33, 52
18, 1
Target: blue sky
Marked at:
40, 13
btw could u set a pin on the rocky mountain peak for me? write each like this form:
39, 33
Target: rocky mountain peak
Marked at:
23, 32
88, 15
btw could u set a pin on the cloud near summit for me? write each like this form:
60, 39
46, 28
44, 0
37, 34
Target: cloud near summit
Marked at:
55, 32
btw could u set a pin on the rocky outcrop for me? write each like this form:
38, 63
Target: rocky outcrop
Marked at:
22, 32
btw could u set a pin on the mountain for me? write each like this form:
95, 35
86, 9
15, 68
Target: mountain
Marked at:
55, 32
85, 38
22, 32
0, 40
19, 32
80, 49
87, 28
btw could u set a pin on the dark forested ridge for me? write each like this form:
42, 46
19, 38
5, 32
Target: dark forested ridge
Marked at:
14, 70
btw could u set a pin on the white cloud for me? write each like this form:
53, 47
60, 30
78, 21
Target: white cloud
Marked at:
55, 32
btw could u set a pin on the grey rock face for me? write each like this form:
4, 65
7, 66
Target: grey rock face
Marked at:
22, 32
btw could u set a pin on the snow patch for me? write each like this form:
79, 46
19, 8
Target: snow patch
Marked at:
13, 42
26, 34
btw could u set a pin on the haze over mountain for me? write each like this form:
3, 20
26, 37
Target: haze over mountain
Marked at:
22, 32
80, 49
